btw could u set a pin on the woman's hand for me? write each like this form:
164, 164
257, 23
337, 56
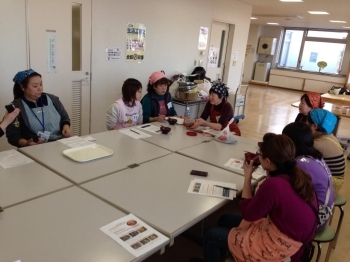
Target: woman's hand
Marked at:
161, 118
66, 131
9, 117
248, 169
198, 122
30, 142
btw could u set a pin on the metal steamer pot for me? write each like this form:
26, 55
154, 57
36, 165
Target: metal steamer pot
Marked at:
187, 91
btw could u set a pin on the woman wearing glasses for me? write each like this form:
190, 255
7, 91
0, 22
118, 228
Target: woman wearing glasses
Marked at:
42, 117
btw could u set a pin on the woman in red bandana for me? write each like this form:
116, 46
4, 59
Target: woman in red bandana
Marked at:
308, 101
218, 109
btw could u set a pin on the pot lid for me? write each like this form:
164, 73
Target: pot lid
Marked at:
185, 86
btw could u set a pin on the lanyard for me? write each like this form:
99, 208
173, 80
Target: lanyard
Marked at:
42, 116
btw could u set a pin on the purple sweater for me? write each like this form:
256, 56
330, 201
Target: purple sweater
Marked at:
319, 178
291, 214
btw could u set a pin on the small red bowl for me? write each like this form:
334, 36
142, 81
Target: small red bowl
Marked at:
252, 156
172, 121
165, 130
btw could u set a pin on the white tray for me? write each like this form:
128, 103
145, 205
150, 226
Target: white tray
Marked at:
87, 153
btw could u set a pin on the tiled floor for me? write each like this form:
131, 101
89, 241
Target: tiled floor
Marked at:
268, 110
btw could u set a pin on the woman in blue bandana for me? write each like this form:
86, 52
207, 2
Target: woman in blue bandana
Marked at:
218, 109
42, 117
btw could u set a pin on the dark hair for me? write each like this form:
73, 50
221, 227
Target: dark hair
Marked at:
281, 151
162, 81
17, 90
129, 89
302, 137
307, 100
310, 121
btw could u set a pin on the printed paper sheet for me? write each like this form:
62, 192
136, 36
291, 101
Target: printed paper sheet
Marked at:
212, 188
137, 134
238, 164
13, 158
134, 235
150, 128
76, 141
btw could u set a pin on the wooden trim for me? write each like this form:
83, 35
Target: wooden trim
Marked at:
306, 78
285, 88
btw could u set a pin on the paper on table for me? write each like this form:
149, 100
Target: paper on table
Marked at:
76, 141
212, 188
214, 132
238, 164
133, 133
89, 138
150, 128
134, 235
13, 158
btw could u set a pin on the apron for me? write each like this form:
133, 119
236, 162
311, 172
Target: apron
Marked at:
215, 116
51, 119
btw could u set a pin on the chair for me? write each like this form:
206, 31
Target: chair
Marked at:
339, 202
325, 236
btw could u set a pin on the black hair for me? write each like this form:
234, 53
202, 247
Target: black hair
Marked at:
302, 137
162, 81
307, 100
17, 90
280, 150
129, 89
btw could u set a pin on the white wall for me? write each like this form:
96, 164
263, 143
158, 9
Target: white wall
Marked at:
171, 42
251, 57
13, 54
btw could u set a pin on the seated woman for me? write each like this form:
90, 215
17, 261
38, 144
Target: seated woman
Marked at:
288, 199
8, 119
310, 160
126, 111
308, 101
218, 109
157, 103
322, 123
42, 118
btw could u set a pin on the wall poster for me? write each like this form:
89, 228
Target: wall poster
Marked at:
51, 51
213, 56
203, 38
135, 42
113, 54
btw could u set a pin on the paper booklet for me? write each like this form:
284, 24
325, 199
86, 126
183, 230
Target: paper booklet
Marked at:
76, 141
134, 235
238, 164
13, 158
212, 188
150, 128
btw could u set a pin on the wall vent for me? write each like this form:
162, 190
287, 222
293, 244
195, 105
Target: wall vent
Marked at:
76, 108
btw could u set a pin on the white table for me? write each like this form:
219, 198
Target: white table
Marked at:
127, 151
63, 226
177, 138
156, 192
217, 154
29, 181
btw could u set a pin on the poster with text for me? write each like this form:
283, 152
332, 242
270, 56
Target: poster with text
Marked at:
203, 38
213, 57
135, 42
51, 52
113, 54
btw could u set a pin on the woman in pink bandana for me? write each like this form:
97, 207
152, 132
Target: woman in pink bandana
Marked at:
308, 101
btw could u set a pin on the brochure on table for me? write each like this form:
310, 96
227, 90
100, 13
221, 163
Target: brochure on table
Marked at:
238, 164
134, 235
13, 158
134, 133
76, 141
212, 188
150, 128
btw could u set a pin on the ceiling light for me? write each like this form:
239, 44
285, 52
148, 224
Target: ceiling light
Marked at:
318, 13
273, 23
346, 27
253, 18
291, 0
335, 21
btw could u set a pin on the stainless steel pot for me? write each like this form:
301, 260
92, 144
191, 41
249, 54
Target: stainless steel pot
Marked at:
187, 91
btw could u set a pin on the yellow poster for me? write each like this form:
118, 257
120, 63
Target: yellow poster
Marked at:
135, 42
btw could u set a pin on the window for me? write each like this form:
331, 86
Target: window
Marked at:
304, 48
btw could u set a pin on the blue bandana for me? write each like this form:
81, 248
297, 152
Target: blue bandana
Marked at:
21, 75
219, 89
324, 120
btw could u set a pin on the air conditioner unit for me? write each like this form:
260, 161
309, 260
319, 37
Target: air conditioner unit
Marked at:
267, 46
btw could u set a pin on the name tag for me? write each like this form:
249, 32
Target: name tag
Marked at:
170, 105
44, 136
